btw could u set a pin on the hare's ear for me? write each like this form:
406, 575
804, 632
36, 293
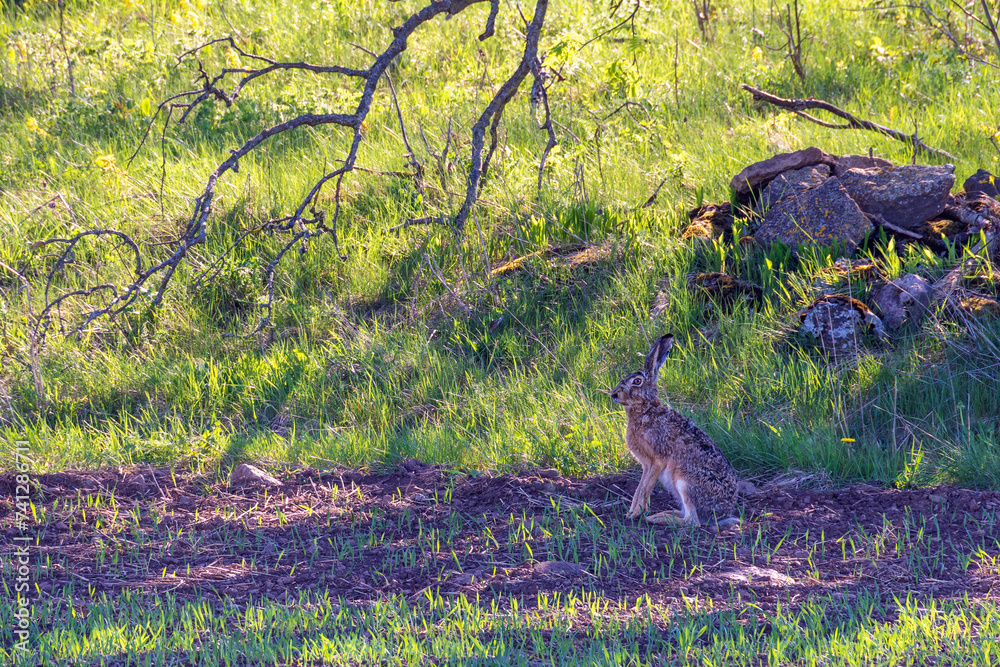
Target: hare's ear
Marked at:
658, 354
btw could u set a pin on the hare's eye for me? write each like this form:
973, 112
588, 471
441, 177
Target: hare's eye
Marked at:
637, 381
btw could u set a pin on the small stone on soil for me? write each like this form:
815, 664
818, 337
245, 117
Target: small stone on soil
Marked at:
251, 474
904, 302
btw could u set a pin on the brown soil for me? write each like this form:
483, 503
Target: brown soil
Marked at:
338, 531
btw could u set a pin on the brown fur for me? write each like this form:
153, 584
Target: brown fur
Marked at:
672, 449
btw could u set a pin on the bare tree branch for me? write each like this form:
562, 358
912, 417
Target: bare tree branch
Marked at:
991, 26
495, 109
853, 121
307, 221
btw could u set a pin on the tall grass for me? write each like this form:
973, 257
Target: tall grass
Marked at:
371, 358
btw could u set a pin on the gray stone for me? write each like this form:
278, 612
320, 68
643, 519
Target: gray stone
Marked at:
249, 474
903, 303
791, 182
904, 196
982, 181
837, 324
845, 162
761, 172
820, 216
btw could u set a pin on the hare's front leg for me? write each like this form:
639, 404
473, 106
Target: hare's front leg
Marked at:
635, 509
640, 500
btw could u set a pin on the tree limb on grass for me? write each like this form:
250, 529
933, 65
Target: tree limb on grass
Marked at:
853, 122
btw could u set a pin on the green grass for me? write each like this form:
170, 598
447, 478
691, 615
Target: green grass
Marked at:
560, 629
147, 579
370, 359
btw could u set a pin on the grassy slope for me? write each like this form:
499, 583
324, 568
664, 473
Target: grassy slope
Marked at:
371, 359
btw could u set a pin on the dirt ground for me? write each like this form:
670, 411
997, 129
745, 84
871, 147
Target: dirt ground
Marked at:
362, 535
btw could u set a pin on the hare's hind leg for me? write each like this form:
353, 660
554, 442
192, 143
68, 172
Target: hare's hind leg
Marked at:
678, 517
667, 518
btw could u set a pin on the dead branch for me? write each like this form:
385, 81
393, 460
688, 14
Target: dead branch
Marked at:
62, 37
307, 221
853, 122
652, 197
990, 26
790, 26
494, 110
879, 221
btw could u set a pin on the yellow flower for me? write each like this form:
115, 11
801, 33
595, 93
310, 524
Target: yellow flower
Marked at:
106, 162
847, 439
879, 50
35, 128
232, 57
757, 54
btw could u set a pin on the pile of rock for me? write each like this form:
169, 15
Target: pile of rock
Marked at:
812, 198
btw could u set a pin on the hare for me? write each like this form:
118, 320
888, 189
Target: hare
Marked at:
672, 449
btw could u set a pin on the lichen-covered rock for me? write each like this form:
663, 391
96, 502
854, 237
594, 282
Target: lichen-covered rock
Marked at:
759, 173
904, 196
845, 162
982, 181
837, 323
791, 182
903, 303
822, 216
724, 288
710, 221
